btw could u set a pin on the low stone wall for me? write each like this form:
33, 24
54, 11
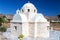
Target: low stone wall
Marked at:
55, 25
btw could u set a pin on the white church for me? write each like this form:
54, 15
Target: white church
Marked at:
28, 22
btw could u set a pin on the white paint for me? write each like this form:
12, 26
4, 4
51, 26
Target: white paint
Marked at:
30, 24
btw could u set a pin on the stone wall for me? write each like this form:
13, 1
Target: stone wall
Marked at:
55, 25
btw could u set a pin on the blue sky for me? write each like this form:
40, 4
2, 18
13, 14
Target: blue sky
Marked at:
46, 7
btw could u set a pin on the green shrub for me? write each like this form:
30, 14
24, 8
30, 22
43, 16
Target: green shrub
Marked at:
3, 29
21, 36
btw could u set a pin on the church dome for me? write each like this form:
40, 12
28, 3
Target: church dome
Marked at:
28, 8
28, 5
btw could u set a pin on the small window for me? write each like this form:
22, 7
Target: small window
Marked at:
34, 10
15, 27
28, 10
22, 10
48, 27
18, 11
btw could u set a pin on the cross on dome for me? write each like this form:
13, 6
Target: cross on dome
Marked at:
28, 1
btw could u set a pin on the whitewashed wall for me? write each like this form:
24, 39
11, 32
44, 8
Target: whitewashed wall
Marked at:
14, 31
42, 30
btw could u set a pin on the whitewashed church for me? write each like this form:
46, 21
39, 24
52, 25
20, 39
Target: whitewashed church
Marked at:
28, 22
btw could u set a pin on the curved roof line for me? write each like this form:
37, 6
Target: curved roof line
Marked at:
19, 18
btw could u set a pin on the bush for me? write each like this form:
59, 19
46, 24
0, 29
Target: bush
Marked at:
0, 24
21, 36
3, 29
58, 15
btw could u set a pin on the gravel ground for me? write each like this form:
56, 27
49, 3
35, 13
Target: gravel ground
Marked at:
54, 35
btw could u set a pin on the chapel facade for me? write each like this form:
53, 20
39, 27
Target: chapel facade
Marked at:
29, 22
